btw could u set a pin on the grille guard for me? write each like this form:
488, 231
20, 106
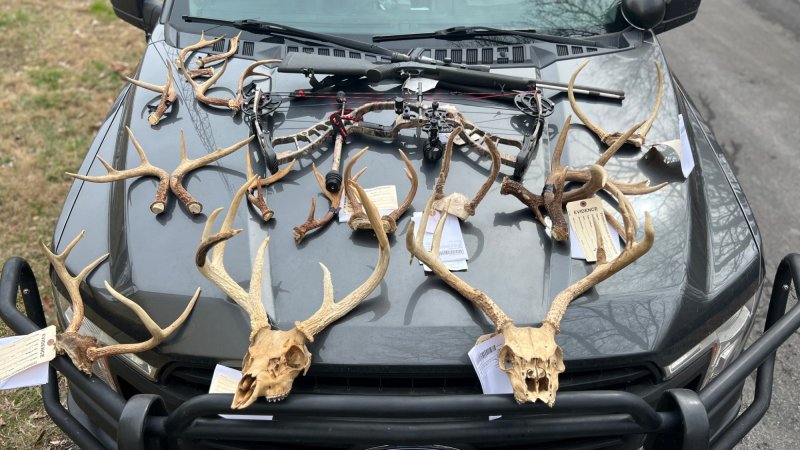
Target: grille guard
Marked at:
680, 421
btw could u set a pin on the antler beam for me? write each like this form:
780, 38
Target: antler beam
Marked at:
83, 350
167, 181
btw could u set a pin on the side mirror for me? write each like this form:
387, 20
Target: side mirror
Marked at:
142, 14
643, 14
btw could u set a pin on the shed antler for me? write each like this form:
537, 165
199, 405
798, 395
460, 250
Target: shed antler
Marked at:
200, 89
255, 194
530, 355
168, 95
593, 179
172, 182
359, 220
638, 137
83, 350
334, 200
275, 358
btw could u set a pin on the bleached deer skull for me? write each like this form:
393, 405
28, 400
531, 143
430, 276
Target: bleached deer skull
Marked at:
280, 357
275, 358
533, 361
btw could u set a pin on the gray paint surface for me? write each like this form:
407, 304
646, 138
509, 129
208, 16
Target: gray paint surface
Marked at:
703, 255
739, 61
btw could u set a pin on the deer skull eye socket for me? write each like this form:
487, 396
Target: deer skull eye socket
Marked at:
295, 357
506, 358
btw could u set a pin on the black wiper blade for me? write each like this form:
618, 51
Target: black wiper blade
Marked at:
470, 32
260, 27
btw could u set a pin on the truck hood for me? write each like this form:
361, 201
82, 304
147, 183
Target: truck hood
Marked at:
702, 244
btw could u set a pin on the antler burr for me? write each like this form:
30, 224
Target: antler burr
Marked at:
168, 95
530, 356
358, 220
172, 182
334, 200
638, 138
255, 194
275, 358
83, 350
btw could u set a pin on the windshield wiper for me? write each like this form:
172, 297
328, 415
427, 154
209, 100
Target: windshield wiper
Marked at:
259, 27
470, 32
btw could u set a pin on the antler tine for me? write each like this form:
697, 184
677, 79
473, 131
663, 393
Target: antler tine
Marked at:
649, 122
495, 155
415, 246
203, 42
187, 165
604, 269
358, 210
438, 191
144, 169
329, 312
213, 267
250, 71
167, 91
601, 133
159, 334
234, 45
394, 216
552, 194
72, 284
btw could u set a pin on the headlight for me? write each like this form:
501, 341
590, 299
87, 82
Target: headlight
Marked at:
725, 343
88, 328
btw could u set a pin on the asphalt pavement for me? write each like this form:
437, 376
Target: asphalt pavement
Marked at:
740, 62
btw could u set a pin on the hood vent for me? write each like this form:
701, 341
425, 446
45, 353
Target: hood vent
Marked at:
219, 46
485, 55
336, 52
247, 48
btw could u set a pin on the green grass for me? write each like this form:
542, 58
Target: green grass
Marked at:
102, 10
15, 18
46, 78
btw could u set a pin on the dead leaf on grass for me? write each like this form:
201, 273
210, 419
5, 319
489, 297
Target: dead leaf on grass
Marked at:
120, 67
2, 421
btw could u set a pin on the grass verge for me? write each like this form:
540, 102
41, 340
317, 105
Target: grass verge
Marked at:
59, 79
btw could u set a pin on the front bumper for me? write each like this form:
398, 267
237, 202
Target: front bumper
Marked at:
586, 419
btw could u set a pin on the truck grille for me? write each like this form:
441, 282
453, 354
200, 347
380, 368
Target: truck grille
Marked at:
454, 382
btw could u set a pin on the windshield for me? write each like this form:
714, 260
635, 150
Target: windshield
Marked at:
372, 17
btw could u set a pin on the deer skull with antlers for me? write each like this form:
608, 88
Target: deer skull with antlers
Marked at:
530, 356
84, 350
275, 358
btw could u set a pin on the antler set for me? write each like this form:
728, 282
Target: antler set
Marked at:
275, 358
84, 350
637, 137
166, 181
594, 178
200, 89
530, 355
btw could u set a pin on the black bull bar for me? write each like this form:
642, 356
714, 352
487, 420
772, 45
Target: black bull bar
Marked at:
680, 421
